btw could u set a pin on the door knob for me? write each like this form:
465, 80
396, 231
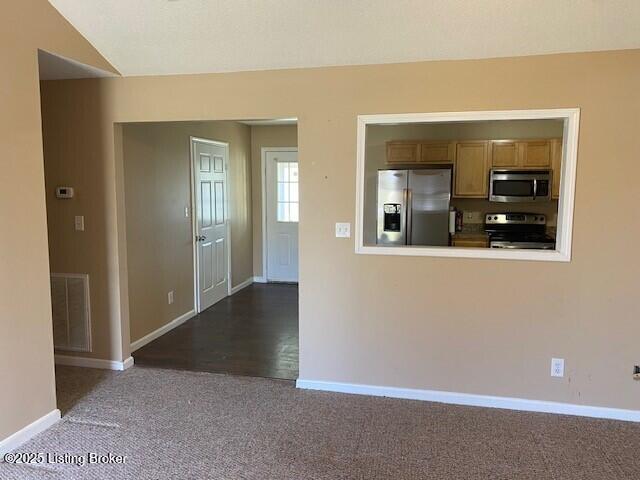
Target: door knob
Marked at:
200, 238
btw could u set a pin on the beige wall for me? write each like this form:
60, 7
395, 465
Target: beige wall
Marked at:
159, 236
26, 342
264, 136
68, 154
435, 323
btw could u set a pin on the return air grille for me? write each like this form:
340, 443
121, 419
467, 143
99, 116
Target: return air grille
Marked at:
71, 312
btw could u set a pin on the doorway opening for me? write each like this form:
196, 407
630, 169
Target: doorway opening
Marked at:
280, 213
199, 298
75, 221
197, 293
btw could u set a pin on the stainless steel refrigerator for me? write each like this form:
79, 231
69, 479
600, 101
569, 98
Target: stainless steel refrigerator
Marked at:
413, 206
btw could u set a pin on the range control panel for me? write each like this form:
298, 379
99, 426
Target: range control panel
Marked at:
515, 219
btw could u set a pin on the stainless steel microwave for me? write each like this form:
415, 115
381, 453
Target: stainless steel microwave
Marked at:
519, 185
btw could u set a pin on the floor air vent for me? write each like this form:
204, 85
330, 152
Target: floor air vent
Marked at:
71, 312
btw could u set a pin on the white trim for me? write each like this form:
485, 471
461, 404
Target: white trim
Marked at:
242, 285
562, 253
470, 399
25, 434
259, 280
128, 363
270, 122
194, 218
194, 228
263, 187
162, 330
93, 362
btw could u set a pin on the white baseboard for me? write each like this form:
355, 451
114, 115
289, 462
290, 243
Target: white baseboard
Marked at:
93, 362
239, 287
27, 433
259, 280
162, 330
474, 400
128, 363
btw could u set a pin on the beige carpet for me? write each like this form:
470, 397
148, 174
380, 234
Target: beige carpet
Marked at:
183, 425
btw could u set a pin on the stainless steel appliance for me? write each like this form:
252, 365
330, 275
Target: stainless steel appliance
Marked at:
413, 206
519, 185
518, 230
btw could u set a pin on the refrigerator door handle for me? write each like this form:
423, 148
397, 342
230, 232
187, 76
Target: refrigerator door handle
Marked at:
408, 202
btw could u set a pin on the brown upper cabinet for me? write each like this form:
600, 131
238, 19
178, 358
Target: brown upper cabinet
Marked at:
403, 152
472, 169
408, 152
521, 153
437, 152
473, 159
536, 154
504, 153
556, 163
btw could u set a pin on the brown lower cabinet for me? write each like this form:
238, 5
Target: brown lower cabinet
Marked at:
473, 242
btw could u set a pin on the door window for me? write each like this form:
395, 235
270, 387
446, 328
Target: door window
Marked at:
287, 192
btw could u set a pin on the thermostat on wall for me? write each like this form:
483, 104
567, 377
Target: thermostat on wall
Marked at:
64, 192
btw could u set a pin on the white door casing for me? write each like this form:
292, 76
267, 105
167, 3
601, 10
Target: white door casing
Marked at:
210, 213
281, 214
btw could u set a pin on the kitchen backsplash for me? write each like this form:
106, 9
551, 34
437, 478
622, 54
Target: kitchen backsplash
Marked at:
474, 211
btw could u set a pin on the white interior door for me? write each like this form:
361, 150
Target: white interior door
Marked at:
210, 188
281, 181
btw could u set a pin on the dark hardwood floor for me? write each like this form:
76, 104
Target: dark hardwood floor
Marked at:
254, 333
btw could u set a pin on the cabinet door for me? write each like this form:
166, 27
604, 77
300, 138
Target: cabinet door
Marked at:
437, 152
472, 169
504, 153
537, 153
556, 166
403, 152
469, 243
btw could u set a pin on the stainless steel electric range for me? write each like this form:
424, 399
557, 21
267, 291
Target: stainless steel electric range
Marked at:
518, 230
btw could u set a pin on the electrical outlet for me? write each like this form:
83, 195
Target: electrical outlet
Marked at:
186, 212
557, 367
473, 217
170, 297
343, 230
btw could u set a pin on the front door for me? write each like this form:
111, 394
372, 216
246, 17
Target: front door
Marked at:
282, 214
210, 184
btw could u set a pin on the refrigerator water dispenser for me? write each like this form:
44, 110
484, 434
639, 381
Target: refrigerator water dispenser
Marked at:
392, 212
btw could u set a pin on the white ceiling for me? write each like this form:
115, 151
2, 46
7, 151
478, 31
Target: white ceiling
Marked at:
147, 37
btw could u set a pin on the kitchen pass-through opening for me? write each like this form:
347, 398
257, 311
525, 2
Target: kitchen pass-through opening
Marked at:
471, 184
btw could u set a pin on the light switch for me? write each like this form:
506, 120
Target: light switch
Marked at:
343, 230
79, 223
